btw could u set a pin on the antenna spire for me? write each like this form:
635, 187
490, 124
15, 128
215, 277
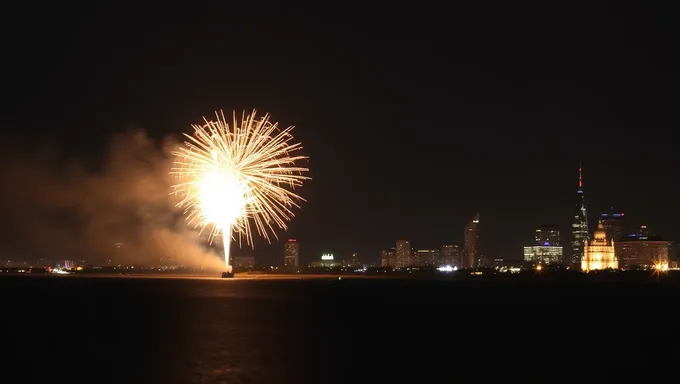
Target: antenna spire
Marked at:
580, 174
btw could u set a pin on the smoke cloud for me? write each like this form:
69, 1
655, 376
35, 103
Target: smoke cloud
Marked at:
121, 212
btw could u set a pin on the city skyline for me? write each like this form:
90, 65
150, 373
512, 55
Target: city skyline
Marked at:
273, 253
613, 222
401, 145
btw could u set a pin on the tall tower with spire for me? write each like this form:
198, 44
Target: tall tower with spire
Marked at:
579, 227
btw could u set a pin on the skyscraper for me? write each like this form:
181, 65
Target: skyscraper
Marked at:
471, 254
547, 235
613, 224
403, 253
291, 254
579, 227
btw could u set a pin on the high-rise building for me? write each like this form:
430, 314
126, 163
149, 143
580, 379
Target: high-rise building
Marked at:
579, 227
471, 254
403, 253
291, 254
547, 235
546, 248
450, 255
388, 258
613, 224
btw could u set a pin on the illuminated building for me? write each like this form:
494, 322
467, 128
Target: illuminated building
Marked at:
327, 261
579, 228
291, 254
640, 250
450, 255
547, 235
403, 253
546, 248
471, 254
613, 224
543, 254
427, 257
388, 258
599, 253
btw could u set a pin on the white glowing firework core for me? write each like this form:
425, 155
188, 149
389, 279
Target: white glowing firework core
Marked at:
222, 197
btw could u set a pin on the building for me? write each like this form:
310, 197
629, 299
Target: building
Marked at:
543, 254
403, 253
471, 254
547, 235
640, 250
291, 254
427, 257
579, 227
327, 261
546, 248
414, 261
353, 260
599, 253
613, 224
450, 255
388, 258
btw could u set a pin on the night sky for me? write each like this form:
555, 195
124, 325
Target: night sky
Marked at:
413, 119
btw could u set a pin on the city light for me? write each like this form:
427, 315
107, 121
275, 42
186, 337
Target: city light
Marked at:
447, 268
661, 266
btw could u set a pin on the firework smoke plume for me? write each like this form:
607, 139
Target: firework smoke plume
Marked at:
56, 211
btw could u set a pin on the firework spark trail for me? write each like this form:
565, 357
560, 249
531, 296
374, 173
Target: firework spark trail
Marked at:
232, 177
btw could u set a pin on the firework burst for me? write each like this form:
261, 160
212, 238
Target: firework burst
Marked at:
231, 179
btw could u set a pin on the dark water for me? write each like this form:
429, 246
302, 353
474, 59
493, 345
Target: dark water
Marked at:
134, 330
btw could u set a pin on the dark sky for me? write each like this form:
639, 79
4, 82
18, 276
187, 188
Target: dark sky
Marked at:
413, 119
